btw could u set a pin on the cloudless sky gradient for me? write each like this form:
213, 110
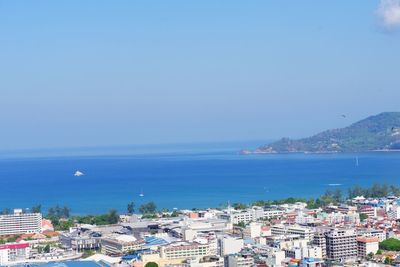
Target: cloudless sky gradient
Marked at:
87, 73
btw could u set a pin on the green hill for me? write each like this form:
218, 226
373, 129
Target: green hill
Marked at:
380, 132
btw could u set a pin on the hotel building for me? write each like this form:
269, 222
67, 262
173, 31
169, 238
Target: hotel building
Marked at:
20, 223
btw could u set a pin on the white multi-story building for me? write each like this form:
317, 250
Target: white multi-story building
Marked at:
372, 233
252, 230
184, 251
303, 232
320, 241
394, 212
303, 252
250, 215
205, 262
339, 218
120, 245
240, 261
274, 257
10, 253
20, 223
230, 245
272, 213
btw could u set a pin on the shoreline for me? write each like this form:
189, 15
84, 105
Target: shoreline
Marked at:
249, 152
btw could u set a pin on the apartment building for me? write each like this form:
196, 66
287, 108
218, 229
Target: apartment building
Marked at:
250, 215
230, 245
367, 245
20, 223
303, 232
212, 261
367, 210
182, 250
372, 233
341, 244
239, 261
319, 240
120, 245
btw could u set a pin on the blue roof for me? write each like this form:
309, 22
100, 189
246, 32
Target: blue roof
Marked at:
154, 241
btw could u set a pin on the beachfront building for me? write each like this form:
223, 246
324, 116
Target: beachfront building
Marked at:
10, 253
341, 244
250, 215
20, 223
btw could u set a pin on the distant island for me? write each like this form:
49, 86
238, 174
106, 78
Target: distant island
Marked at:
375, 133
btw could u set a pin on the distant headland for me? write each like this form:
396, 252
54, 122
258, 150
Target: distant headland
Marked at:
375, 133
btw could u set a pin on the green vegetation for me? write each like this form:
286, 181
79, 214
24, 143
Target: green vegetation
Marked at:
59, 217
111, 217
58, 212
12, 239
330, 196
373, 133
9, 239
36, 209
130, 208
5, 211
63, 224
151, 264
363, 217
88, 252
239, 206
377, 190
148, 208
44, 249
390, 244
241, 224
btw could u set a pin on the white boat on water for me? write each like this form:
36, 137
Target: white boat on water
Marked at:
141, 193
78, 173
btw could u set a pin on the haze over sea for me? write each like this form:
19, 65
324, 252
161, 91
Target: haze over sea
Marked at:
179, 176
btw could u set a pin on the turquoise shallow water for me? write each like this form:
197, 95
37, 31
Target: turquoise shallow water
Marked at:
184, 179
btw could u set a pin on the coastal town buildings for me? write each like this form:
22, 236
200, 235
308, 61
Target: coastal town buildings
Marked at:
20, 223
341, 244
293, 236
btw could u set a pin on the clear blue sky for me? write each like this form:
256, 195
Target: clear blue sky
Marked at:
86, 73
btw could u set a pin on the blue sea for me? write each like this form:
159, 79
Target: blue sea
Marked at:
179, 176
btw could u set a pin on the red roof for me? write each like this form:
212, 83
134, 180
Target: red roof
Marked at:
14, 246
